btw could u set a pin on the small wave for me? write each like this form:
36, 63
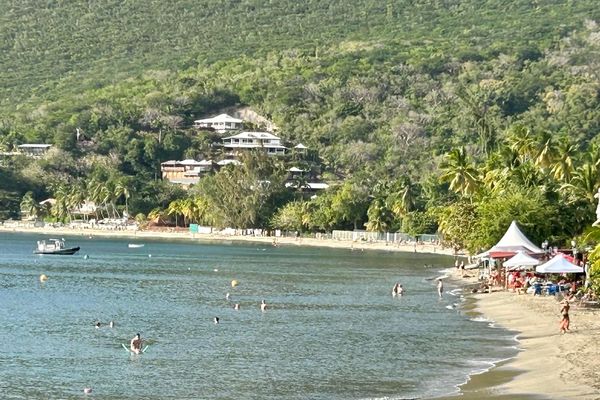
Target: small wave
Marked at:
480, 319
482, 366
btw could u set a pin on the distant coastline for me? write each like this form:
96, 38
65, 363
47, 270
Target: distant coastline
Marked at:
201, 237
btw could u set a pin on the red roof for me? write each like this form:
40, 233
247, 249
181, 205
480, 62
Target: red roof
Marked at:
502, 254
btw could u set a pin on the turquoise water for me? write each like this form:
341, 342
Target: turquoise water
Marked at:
332, 330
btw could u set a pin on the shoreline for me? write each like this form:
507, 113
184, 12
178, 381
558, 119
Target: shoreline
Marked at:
549, 365
215, 238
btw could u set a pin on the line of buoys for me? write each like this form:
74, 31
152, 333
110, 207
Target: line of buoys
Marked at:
43, 278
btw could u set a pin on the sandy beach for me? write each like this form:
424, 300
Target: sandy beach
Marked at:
280, 241
550, 365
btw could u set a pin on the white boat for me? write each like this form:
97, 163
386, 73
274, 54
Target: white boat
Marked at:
54, 246
134, 245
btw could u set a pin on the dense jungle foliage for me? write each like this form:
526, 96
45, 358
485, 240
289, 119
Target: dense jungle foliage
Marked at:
424, 116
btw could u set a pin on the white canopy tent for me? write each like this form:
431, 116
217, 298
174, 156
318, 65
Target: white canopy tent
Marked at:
558, 265
521, 260
513, 241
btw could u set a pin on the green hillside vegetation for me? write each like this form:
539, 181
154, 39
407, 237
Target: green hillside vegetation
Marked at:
52, 49
440, 115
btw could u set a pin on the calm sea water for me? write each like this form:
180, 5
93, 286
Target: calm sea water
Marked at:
332, 331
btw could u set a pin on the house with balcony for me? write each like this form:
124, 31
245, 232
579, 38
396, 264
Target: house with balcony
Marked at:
186, 172
221, 123
270, 143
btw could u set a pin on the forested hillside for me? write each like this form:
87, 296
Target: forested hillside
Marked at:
54, 48
422, 115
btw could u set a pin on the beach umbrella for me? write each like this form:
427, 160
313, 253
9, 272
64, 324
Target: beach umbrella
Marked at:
521, 260
559, 265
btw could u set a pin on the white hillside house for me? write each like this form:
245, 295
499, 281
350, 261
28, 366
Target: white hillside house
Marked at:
254, 140
221, 123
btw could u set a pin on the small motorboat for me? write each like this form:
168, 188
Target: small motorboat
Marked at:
134, 245
54, 246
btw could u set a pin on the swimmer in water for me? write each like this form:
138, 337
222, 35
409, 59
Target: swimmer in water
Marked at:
136, 344
263, 306
216, 320
227, 296
111, 324
236, 306
98, 325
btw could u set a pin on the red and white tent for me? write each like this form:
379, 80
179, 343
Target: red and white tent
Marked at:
512, 242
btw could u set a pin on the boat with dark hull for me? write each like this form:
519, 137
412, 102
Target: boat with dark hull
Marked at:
55, 247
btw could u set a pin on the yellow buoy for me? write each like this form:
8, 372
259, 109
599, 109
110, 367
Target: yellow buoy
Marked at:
234, 283
43, 278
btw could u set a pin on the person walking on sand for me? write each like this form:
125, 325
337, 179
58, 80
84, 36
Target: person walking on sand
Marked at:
565, 321
440, 287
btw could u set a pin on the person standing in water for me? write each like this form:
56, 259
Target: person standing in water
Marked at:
136, 344
396, 289
440, 287
263, 306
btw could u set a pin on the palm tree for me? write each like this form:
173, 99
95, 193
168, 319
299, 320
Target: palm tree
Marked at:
547, 152
527, 174
122, 189
379, 216
97, 193
60, 209
75, 197
188, 209
175, 208
29, 206
460, 172
202, 211
563, 165
495, 179
522, 141
406, 198
584, 184
156, 214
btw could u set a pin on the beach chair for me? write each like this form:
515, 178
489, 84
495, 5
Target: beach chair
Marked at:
552, 290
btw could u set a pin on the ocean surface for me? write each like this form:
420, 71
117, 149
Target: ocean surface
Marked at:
332, 329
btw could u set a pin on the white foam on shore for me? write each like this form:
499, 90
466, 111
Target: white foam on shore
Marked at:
480, 318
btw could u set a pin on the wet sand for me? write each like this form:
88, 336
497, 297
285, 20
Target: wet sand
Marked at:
550, 365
